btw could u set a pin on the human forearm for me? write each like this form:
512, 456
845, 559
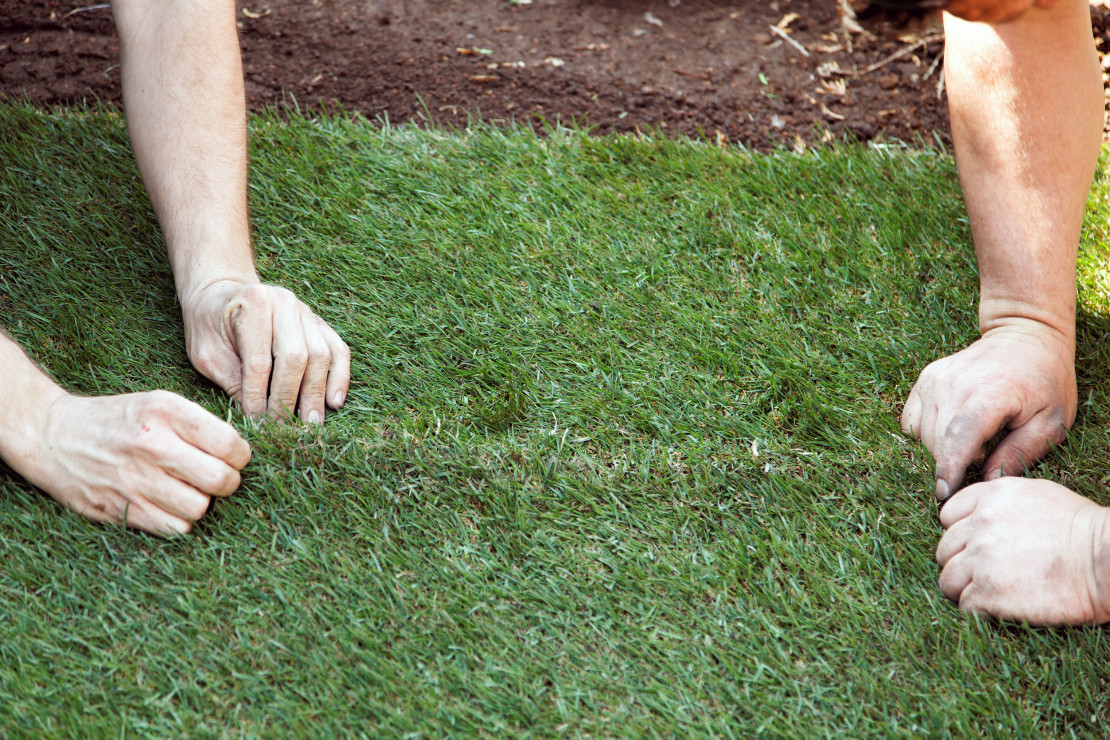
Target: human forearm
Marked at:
1026, 107
183, 91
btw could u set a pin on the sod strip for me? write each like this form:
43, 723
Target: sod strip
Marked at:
621, 455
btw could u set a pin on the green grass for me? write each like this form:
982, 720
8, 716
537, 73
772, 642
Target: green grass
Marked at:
621, 455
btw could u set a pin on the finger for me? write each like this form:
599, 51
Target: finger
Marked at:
252, 326
960, 443
199, 470
339, 373
314, 383
223, 369
911, 415
927, 432
953, 542
974, 601
929, 421
290, 356
194, 425
960, 507
955, 578
177, 499
150, 518
1025, 445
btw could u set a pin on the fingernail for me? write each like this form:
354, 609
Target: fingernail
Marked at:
314, 417
338, 399
942, 490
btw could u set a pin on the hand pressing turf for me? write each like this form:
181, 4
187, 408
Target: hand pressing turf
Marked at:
1026, 551
1016, 382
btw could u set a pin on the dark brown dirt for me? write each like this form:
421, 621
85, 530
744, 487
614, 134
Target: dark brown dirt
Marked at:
699, 67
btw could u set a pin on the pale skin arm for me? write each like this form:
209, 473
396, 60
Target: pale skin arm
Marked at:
184, 97
146, 460
1026, 104
154, 460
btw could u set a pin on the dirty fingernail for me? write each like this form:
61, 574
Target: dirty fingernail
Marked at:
942, 490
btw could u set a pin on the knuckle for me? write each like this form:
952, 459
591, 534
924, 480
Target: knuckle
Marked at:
985, 517
319, 353
197, 508
254, 294
296, 357
1056, 431
227, 441
343, 351
260, 365
130, 480
96, 509
961, 425
230, 481
160, 401
282, 297
221, 479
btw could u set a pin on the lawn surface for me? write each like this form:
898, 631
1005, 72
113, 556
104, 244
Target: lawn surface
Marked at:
621, 455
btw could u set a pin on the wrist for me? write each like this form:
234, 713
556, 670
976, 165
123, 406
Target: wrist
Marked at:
1052, 329
198, 264
1000, 307
190, 294
25, 414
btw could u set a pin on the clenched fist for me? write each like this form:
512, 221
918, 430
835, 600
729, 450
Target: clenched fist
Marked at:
1016, 381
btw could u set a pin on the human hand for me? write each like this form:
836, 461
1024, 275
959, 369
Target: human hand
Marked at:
994, 11
1026, 550
266, 349
1018, 380
151, 461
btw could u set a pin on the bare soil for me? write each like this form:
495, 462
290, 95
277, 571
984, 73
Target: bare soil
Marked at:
713, 68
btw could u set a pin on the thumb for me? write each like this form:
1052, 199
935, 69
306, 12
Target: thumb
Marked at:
1023, 446
222, 368
960, 443
911, 414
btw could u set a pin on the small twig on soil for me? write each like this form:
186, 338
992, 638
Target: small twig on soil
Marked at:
696, 75
904, 51
933, 66
786, 37
87, 7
